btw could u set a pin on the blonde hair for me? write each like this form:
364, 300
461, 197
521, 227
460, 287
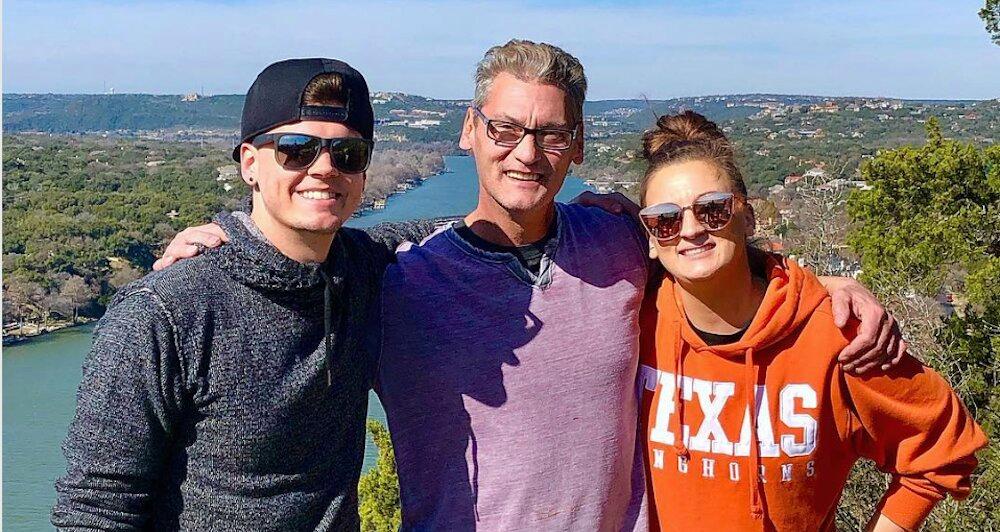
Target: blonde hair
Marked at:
530, 61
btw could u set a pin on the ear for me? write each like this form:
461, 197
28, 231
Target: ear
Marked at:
578, 146
465, 141
653, 250
750, 220
248, 164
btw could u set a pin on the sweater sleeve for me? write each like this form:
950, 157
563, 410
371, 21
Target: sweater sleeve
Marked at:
387, 236
127, 404
913, 425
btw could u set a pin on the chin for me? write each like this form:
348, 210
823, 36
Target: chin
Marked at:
692, 272
522, 203
326, 226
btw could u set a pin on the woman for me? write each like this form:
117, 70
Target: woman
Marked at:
737, 331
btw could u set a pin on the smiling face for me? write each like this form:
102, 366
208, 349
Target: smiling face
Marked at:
524, 179
317, 199
697, 254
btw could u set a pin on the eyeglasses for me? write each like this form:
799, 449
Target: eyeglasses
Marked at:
664, 221
296, 151
508, 134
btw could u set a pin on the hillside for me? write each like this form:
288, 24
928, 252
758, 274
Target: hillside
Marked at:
398, 115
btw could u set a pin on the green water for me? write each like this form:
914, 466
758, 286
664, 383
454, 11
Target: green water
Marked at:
40, 377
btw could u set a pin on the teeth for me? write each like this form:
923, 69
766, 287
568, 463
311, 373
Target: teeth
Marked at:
695, 251
317, 195
523, 176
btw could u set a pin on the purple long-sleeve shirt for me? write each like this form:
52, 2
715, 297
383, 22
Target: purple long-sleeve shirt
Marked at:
511, 397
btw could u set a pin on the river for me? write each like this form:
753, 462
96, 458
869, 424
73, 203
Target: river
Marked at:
40, 376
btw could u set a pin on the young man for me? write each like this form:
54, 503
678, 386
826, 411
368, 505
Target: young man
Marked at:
230, 392
510, 340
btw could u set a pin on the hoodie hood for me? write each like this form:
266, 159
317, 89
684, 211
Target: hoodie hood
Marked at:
253, 261
791, 297
249, 258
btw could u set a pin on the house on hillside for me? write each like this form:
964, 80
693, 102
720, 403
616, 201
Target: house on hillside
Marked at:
227, 172
791, 179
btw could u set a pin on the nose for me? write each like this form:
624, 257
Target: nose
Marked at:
691, 228
527, 151
323, 165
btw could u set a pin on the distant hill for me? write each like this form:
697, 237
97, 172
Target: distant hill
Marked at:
81, 113
400, 117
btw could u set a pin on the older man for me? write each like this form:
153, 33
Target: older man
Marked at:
510, 339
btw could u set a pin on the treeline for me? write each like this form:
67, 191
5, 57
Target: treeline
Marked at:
80, 113
392, 166
83, 216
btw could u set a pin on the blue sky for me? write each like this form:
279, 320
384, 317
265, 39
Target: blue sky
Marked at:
907, 49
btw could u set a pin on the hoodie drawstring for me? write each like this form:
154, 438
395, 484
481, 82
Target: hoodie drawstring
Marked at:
680, 446
328, 323
750, 374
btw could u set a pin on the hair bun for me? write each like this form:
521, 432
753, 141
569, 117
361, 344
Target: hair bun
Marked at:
676, 132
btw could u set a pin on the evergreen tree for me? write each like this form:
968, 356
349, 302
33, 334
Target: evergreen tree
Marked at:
990, 13
928, 239
378, 491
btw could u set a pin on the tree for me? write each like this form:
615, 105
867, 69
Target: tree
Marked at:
76, 293
926, 231
990, 13
378, 491
17, 299
819, 225
123, 275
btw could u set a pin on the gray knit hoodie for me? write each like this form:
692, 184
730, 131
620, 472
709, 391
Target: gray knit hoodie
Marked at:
212, 399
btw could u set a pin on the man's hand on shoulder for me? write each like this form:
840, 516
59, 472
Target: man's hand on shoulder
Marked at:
190, 243
615, 202
879, 340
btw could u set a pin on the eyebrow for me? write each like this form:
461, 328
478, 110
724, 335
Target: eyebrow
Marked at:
549, 125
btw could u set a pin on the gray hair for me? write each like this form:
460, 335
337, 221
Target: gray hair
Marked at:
530, 61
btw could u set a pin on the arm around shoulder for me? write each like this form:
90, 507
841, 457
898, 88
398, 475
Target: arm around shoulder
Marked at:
127, 407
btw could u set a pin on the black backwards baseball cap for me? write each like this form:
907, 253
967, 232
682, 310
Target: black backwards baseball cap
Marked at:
275, 99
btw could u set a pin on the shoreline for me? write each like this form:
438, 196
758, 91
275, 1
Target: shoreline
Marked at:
366, 209
41, 330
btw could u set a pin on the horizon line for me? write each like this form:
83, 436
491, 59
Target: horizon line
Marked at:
638, 97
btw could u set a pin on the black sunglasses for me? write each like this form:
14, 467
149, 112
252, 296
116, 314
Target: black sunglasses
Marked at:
296, 151
664, 221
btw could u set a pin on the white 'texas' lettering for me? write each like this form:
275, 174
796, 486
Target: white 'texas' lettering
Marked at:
765, 432
807, 423
713, 397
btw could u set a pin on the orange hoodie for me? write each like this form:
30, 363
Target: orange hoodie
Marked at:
813, 420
